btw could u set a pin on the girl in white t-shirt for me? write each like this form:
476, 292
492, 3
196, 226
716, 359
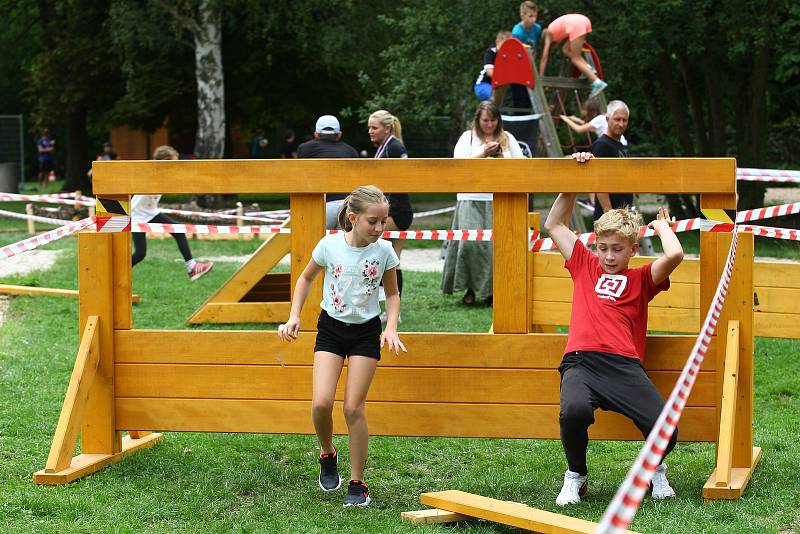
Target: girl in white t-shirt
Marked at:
592, 120
354, 262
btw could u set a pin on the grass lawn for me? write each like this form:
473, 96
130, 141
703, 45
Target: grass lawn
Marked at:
195, 482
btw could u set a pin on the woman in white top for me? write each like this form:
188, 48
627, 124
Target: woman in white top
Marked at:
468, 264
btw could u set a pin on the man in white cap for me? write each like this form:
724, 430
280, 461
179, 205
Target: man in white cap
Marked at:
327, 143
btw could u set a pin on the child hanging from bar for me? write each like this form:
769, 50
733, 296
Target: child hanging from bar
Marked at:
602, 365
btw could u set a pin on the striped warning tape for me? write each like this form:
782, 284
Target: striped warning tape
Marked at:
623, 507
14, 197
768, 175
48, 237
34, 218
768, 212
218, 215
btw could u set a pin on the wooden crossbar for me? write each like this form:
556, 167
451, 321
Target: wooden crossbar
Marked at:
537, 175
507, 513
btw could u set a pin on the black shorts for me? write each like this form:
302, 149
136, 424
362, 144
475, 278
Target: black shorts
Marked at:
347, 339
46, 165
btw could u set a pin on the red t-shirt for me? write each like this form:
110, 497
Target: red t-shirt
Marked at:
609, 311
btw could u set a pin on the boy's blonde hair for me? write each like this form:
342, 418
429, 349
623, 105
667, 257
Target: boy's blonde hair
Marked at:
503, 35
165, 152
528, 6
357, 202
623, 222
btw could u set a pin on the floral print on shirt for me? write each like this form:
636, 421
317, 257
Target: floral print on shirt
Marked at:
371, 272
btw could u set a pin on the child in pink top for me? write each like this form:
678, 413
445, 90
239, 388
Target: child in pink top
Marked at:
572, 28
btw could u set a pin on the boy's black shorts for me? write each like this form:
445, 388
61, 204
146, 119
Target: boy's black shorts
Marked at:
346, 339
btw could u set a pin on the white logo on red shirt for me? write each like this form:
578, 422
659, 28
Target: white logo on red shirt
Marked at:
610, 286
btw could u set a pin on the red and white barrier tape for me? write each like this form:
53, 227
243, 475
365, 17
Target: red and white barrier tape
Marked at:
622, 509
158, 228
43, 239
271, 213
219, 215
768, 212
34, 218
13, 197
768, 175
422, 214
770, 231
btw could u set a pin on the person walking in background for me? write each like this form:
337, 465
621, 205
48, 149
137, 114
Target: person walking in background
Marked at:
289, 150
468, 264
355, 262
258, 147
45, 155
573, 30
386, 133
327, 143
144, 209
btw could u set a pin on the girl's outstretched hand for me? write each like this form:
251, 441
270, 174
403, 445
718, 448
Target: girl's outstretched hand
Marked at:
393, 340
288, 330
663, 215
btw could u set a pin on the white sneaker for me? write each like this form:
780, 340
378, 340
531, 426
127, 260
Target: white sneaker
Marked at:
660, 485
574, 488
597, 87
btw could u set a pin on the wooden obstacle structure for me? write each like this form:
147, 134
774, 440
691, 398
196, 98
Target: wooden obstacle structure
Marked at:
252, 294
250, 381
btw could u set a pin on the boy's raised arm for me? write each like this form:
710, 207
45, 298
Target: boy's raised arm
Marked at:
557, 224
558, 219
673, 251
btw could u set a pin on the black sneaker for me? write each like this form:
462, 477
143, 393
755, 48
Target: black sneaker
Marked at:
357, 494
329, 479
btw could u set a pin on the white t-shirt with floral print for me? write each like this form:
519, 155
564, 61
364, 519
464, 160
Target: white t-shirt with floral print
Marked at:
352, 276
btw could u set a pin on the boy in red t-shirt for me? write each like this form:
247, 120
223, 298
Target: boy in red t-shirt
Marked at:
602, 365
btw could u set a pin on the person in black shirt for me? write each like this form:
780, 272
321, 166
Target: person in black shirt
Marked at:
327, 143
385, 132
609, 145
483, 85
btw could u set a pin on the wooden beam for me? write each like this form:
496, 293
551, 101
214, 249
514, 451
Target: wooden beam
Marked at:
427, 349
308, 213
511, 278
728, 409
739, 478
507, 513
46, 291
96, 283
478, 420
69, 422
244, 312
537, 175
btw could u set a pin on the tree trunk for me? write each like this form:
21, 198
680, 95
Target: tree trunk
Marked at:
754, 149
695, 101
676, 107
210, 140
77, 150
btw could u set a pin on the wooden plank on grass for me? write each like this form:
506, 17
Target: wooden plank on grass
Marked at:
507, 513
432, 516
